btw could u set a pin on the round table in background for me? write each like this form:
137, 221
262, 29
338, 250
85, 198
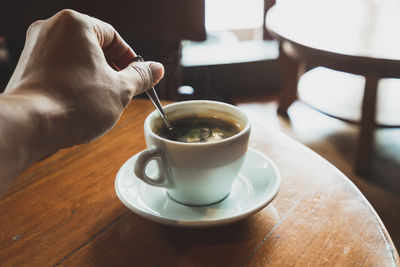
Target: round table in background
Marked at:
356, 43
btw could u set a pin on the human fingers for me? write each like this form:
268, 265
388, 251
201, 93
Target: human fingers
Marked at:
140, 76
117, 52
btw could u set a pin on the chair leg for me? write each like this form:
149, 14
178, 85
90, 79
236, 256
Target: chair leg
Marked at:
290, 70
366, 135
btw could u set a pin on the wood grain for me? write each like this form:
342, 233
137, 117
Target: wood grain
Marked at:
64, 211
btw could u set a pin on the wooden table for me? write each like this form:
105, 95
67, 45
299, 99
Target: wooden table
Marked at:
358, 37
64, 211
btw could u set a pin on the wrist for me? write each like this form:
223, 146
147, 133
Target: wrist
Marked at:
29, 119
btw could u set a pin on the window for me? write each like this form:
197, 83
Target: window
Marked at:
243, 17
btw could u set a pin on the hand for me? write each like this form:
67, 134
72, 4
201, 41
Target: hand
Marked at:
80, 69
71, 84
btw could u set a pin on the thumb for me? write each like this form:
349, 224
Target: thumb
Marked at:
141, 76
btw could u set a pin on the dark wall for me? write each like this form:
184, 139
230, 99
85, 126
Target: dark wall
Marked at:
161, 19
153, 28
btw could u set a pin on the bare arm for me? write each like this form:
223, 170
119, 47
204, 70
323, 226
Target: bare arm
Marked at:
72, 82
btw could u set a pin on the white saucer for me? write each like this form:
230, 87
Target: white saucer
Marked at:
255, 187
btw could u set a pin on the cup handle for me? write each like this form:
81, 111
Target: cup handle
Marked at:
143, 160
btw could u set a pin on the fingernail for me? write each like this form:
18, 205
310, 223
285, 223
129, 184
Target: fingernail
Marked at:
157, 71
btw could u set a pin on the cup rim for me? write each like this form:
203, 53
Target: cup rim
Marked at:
212, 143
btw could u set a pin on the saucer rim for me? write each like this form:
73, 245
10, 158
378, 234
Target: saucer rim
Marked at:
207, 222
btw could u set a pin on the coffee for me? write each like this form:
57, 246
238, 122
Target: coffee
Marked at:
194, 173
199, 130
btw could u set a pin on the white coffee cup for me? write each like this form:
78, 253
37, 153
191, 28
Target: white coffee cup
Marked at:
194, 173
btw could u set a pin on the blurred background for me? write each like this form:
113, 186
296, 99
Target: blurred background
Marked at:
221, 50
199, 42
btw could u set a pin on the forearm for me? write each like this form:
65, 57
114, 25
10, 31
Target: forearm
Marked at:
66, 90
23, 138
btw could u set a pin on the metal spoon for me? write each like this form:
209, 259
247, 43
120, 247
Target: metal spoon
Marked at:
151, 93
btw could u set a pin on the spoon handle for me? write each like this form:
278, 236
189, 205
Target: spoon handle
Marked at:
151, 93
